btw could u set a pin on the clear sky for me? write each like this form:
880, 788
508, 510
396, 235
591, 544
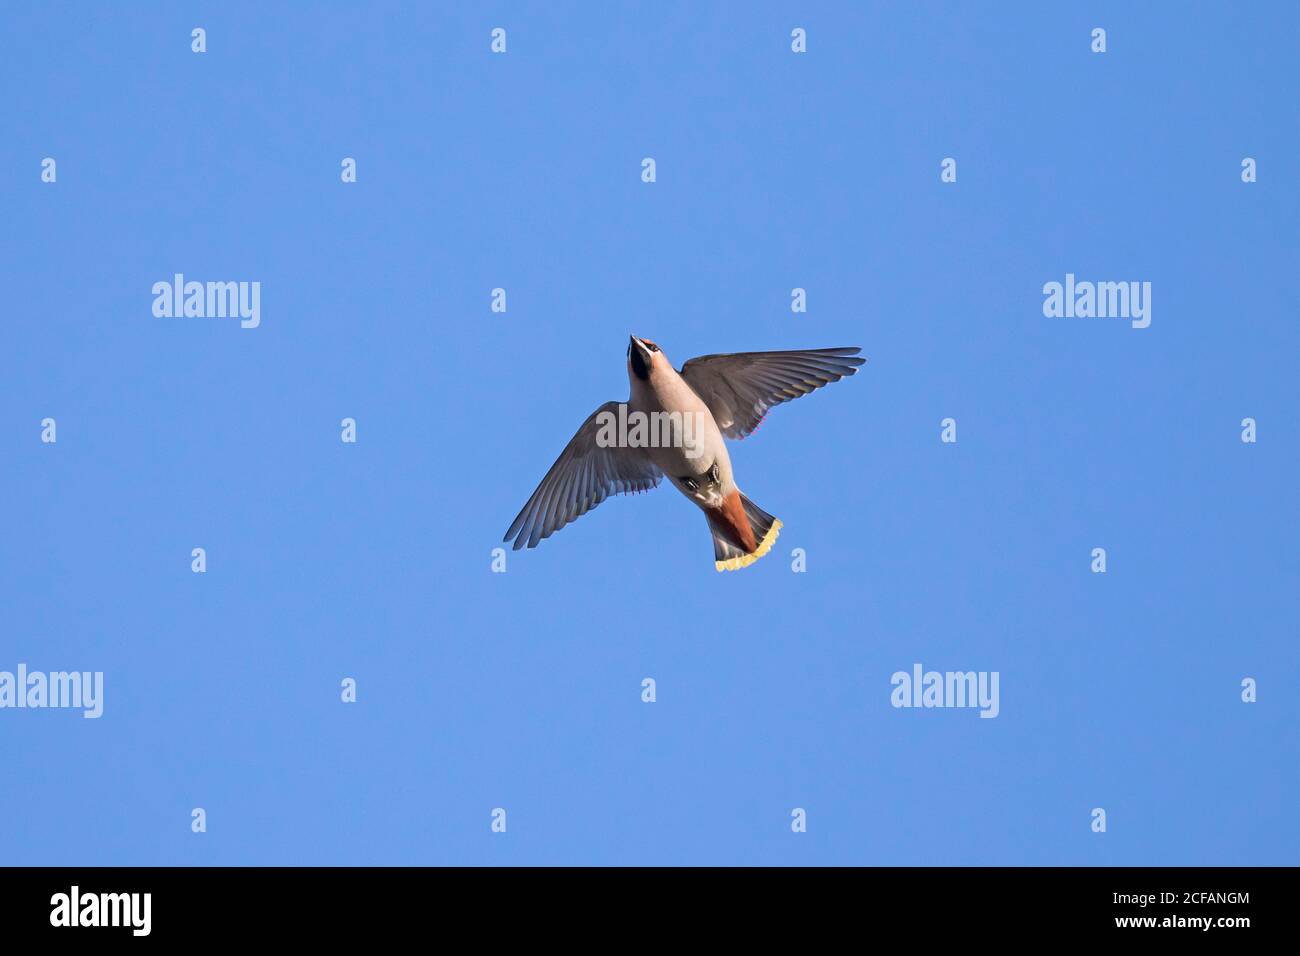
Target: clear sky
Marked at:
522, 690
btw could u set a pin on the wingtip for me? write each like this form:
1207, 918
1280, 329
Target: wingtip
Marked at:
849, 355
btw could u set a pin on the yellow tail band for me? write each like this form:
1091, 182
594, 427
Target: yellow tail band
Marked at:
745, 560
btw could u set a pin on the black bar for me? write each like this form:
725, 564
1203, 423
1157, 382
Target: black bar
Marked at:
379, 904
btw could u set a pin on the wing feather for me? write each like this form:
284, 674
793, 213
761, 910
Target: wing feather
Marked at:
582, 477
741, 387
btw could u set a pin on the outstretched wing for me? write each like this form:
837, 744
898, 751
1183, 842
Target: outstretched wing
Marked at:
740, 388
582, 477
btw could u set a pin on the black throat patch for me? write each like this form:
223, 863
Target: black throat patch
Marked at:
639, 367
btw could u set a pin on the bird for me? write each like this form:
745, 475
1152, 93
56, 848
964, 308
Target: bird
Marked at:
674, 423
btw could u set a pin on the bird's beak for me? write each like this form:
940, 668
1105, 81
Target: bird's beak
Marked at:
640, 346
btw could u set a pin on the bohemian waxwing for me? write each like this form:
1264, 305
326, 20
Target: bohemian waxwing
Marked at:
673, 424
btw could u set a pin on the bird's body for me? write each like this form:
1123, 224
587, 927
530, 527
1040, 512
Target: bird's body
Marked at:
701, 472
667, 392
683, 417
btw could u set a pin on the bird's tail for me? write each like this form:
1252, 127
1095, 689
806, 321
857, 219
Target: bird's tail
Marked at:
742, 532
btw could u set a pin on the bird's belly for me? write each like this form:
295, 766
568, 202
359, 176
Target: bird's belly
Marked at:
681, 460
701, 472
686, 442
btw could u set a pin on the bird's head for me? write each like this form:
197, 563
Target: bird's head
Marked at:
643, 358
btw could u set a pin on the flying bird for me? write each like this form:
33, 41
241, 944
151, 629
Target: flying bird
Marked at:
673, 424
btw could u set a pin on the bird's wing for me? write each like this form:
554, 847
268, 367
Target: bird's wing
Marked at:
740, 388
582, 477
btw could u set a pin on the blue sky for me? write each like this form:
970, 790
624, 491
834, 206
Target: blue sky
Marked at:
523, 690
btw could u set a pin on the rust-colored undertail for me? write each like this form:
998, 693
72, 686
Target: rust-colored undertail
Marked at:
742, 532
